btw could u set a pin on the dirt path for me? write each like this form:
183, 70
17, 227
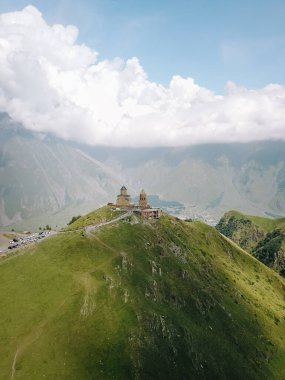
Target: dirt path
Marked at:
94, 227
32, 337
85, 279
14, 365
104, 244
89, 285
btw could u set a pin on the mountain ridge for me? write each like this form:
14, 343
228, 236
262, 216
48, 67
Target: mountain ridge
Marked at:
140, 299
45, 180
264, 238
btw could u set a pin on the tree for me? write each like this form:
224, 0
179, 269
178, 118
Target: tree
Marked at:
73, 219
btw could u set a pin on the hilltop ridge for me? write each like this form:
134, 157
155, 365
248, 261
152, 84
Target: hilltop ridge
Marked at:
140, 299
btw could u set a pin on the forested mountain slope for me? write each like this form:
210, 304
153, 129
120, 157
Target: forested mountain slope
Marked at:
263, 237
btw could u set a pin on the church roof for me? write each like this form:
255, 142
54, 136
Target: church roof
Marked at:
123, 188
143, 192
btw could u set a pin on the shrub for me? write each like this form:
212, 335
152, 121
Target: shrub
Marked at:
73, 219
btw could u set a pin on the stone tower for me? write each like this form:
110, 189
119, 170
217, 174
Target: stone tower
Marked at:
143, 199
124, 191
123, 199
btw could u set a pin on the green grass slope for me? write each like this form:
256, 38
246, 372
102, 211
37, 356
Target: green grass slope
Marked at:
140, 300
262, 237
101, 215
267, 224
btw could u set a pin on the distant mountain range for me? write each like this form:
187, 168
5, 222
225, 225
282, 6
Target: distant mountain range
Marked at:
41, 175
44, 179
214, 177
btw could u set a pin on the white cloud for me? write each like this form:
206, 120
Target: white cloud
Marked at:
50, 83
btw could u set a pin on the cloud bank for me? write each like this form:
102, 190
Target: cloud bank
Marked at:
50, 83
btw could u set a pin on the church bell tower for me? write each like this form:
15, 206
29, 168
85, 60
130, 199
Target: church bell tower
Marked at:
143, 199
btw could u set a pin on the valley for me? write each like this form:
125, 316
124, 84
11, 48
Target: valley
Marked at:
48, 180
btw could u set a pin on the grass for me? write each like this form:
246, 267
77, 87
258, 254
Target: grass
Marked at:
103, 214
264, 238
267, 224
140, 300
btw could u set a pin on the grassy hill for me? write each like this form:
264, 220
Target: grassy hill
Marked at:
266, 224
140, 300
263, 237
101, 215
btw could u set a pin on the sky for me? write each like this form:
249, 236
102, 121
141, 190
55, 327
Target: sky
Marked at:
213, 41
145, 73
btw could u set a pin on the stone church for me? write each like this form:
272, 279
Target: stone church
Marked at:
123, 199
